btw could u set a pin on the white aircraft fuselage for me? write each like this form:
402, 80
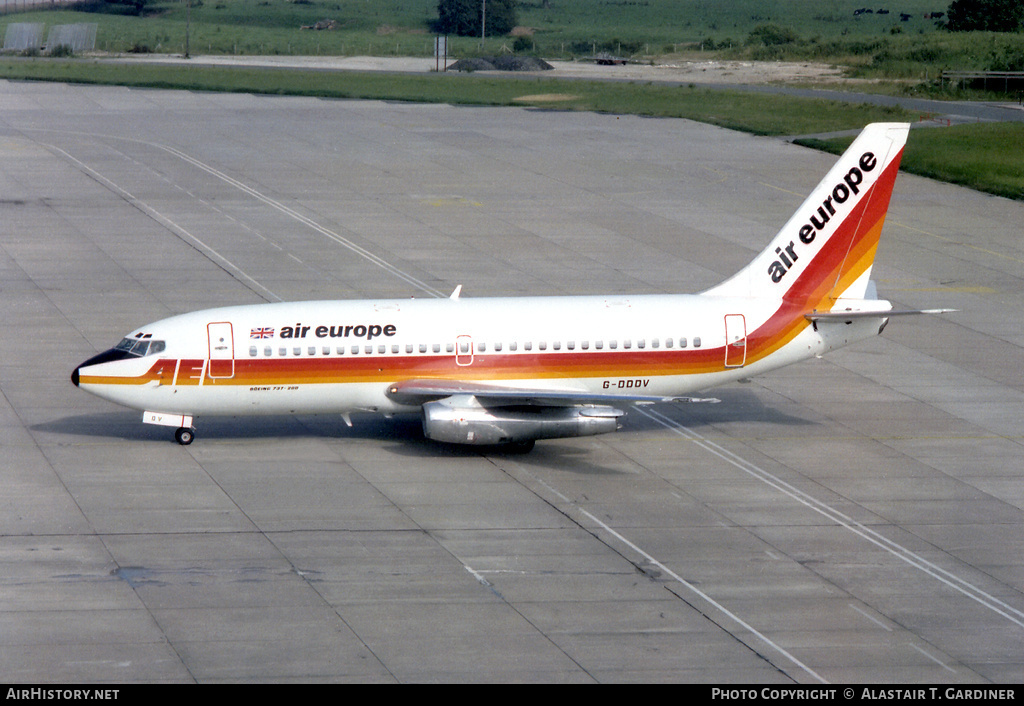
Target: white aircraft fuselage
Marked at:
513, 370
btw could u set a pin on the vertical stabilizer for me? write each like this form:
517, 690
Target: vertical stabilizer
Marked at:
826, 250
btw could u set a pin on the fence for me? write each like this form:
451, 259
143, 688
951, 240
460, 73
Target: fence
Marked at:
26, 36
1010, 79
78, 37
21, 36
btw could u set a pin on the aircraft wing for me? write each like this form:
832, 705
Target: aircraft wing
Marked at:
413, 392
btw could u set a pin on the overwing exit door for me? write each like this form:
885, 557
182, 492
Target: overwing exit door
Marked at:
463, 350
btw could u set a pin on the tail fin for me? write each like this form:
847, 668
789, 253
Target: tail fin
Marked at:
826, 250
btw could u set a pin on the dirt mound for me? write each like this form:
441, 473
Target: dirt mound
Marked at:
501, 63
322, 24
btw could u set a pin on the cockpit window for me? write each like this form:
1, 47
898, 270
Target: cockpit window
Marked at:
140, 347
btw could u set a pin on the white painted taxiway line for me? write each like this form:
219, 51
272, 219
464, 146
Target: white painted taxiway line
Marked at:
905, 555
652, 561
292, 213
248, 190
167, 223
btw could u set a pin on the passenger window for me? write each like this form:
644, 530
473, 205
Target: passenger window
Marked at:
297, 350
437, 347
312, 350
450, 347
252, 351
394, 348
613, 344
326, 350
355, 350
513, 346
696, 341
481, 348
528, 346
268, 351
641, 344
423, 348
497, 347
627, 344
682, 343
542, 346
599, 345
282, 351
557, 345
668, 342
408, 348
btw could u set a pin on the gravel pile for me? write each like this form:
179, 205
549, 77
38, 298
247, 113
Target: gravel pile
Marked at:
501, 63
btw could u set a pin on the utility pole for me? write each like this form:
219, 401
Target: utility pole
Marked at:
188, 25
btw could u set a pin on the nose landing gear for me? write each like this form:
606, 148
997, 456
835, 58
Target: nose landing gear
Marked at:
184, 433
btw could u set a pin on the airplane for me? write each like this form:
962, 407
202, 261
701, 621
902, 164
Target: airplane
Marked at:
507, 372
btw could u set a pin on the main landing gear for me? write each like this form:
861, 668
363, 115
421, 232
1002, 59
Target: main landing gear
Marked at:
185, 435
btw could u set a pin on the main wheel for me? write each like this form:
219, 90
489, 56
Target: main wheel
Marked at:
520, 447
184, 436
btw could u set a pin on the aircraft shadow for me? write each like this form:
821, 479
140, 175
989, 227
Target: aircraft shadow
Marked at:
737, 405
404, 431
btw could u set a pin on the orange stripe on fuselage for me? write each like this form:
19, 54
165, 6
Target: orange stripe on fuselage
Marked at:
389, 369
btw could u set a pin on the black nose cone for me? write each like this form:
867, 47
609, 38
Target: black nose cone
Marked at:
104, 357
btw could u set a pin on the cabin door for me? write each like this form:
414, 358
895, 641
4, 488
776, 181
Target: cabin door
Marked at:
222, 350
735, 340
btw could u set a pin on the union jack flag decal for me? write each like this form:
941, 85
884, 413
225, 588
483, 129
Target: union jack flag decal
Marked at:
263, 332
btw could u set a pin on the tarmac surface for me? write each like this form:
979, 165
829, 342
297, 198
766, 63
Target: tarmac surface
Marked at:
859, 518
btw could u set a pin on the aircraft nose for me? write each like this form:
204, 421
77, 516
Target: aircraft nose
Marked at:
104, 357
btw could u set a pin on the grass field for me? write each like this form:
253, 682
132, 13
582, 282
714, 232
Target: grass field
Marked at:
873, 44
563, 28
986, 157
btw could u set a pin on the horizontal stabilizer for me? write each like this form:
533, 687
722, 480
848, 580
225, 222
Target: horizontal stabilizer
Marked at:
849, 315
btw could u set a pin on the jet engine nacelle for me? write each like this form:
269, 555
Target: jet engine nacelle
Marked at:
486, 426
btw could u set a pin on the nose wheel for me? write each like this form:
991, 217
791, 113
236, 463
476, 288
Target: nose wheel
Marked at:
185, 436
